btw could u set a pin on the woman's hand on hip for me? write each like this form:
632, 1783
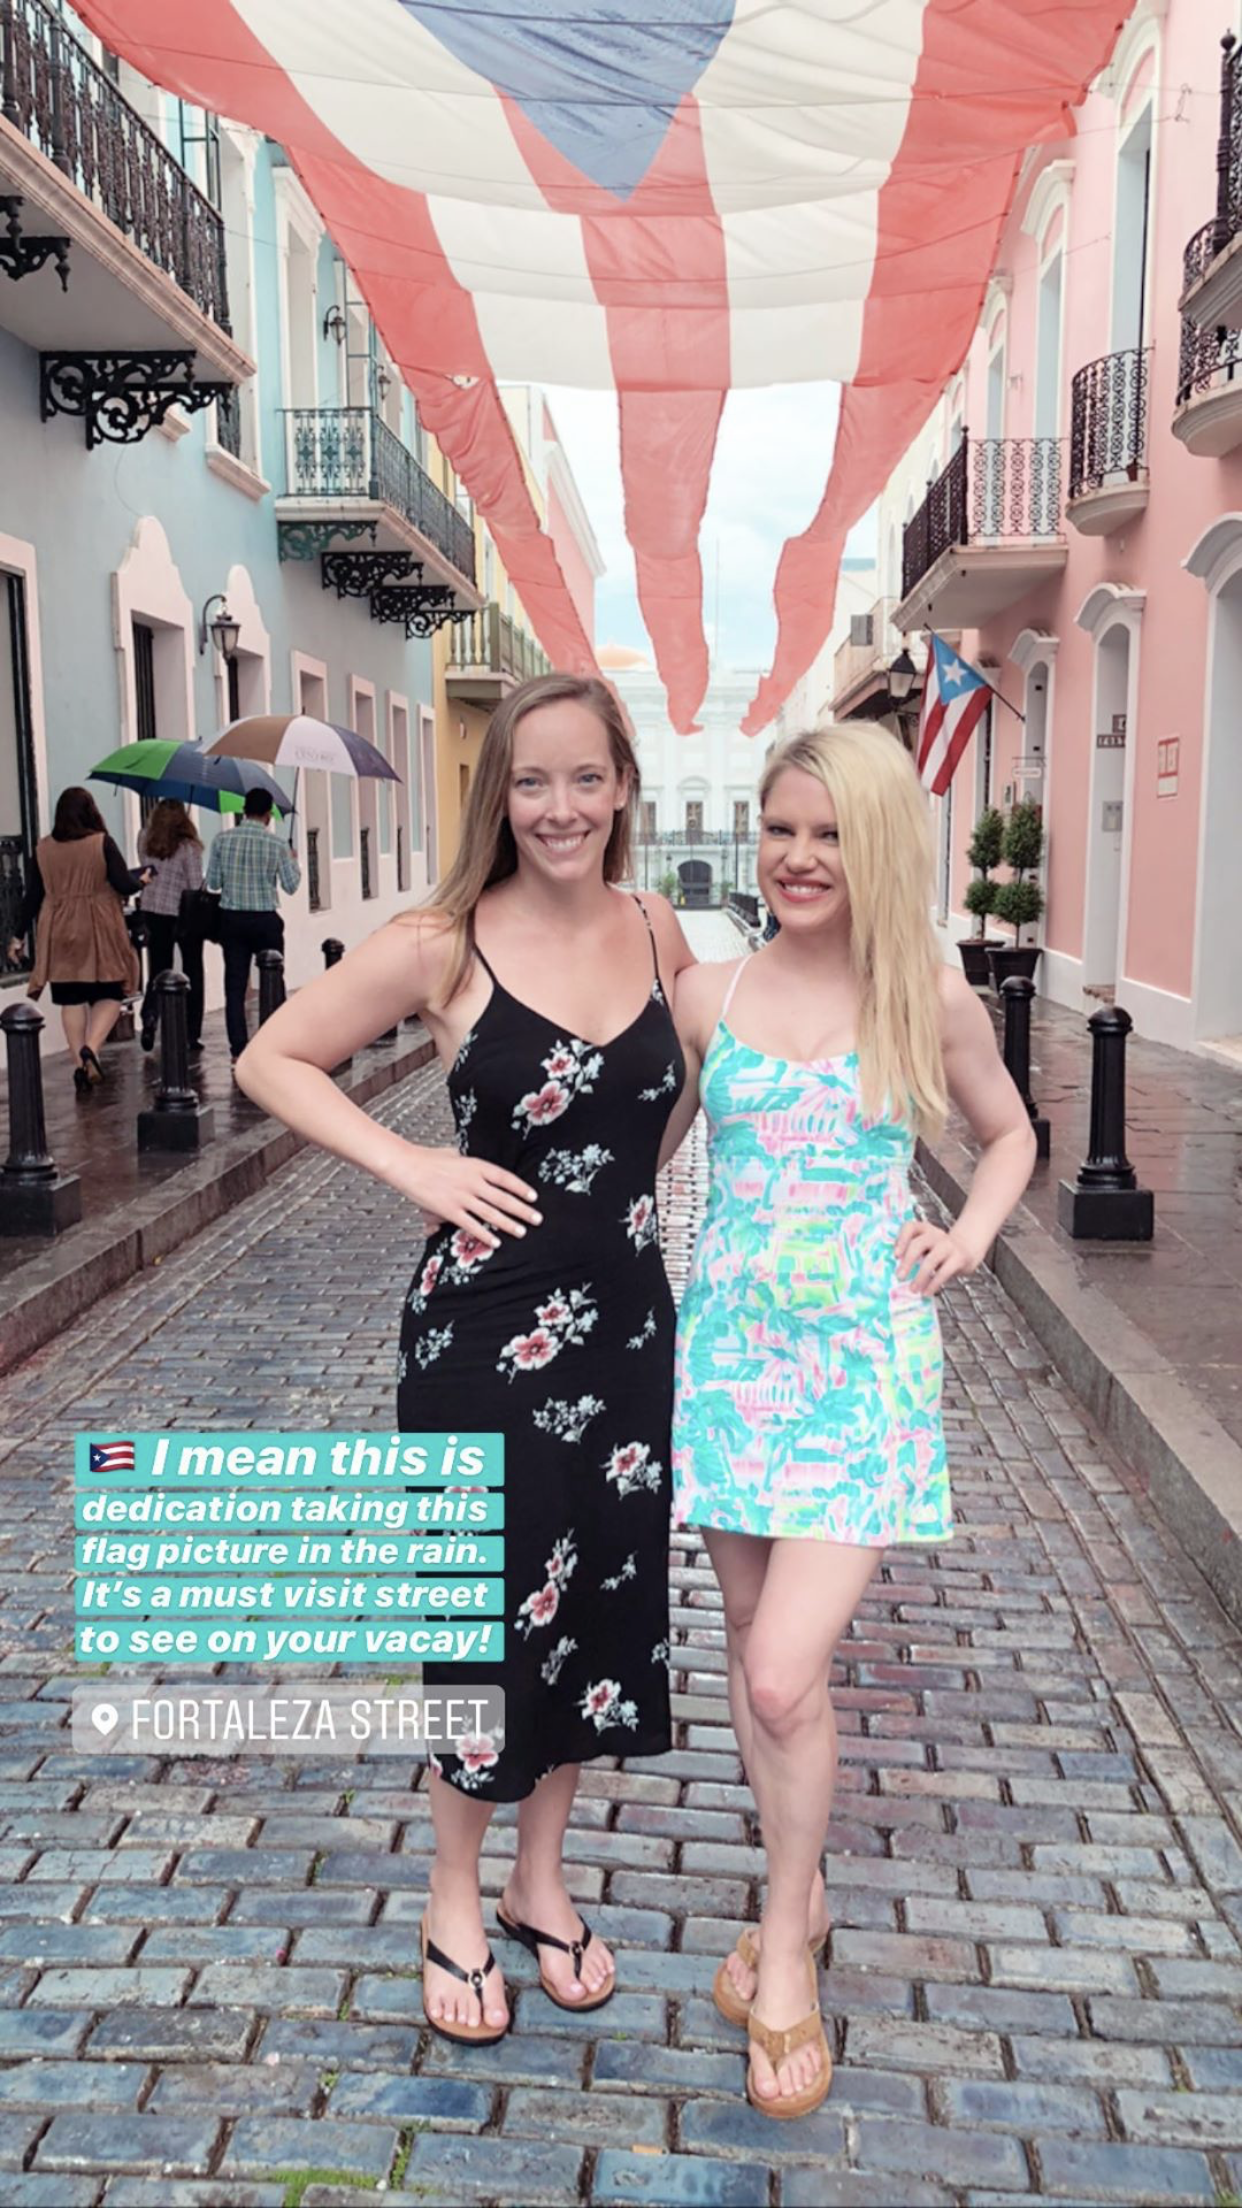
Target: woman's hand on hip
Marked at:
485, 1199
929, 1257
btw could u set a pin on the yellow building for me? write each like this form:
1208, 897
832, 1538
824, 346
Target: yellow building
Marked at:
477, 662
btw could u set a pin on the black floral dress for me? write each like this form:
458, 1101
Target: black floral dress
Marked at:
562, 1341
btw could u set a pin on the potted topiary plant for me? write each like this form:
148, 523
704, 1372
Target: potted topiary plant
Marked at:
983, 853
1020, 901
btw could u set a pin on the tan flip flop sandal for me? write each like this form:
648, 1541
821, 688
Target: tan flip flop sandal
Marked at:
728, 2000
534, 1940
465, 2035
778, 2046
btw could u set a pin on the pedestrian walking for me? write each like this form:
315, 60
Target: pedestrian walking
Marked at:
171, 839
246, 864
76, 890
540, 1308
807, 1428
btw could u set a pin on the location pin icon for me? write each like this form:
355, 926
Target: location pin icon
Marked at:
103, 1717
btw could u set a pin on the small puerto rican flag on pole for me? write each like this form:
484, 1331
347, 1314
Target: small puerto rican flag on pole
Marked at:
112, 1456
955, 700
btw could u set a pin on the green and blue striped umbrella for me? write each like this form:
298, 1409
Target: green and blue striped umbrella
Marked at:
157, 767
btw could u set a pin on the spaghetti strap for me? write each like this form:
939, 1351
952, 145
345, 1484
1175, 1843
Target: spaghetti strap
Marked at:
655, 957
738, 971
484, 962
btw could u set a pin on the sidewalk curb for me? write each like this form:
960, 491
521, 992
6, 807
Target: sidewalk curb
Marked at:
1191, 1467
88, 1262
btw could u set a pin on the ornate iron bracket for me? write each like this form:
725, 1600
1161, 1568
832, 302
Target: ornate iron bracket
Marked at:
121, 396
305, 540
22, 256
357, 574
423, 607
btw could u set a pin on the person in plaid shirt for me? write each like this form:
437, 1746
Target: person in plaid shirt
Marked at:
245, 864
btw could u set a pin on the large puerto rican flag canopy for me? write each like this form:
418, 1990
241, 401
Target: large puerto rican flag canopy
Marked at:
664, 197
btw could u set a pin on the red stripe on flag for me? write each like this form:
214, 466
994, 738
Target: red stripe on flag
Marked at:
993, 78
427, 319
932, 718
668, 432
972, 713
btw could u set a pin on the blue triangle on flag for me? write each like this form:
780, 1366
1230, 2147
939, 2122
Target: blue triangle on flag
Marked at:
602, 79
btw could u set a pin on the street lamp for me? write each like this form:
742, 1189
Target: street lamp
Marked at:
901, 677
224, 631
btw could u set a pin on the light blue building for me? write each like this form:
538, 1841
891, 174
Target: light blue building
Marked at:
194, 410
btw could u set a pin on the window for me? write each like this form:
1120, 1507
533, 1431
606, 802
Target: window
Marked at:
861, 628
648, 820
200, 150
694, 818
741, 805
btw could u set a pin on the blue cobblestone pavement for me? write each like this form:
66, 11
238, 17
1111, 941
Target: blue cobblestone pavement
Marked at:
208, 1970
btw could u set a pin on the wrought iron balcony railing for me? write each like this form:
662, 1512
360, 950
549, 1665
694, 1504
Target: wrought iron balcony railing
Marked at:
1228, 218
1108, 421
490, 640
57, 96
350, 452
1208, 358
995, 487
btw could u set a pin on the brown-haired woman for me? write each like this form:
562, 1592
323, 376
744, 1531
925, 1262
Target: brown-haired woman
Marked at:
172, 840
75, 896
540, 1308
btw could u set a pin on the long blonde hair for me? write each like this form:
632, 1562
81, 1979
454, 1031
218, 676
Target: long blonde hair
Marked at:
887, 854
486, 853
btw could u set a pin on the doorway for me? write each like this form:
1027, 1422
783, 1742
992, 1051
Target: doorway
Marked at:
1218, 968
18, 790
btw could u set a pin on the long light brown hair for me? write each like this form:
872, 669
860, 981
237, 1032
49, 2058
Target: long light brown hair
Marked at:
169, 826
888, 858
487, 853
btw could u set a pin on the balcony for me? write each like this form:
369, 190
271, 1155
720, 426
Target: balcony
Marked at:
860, 686
489, 655
119, 259
987, 533
349, 477
1208, 416
1108, 444
1212, 277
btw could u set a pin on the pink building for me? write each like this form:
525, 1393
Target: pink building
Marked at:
1073, 510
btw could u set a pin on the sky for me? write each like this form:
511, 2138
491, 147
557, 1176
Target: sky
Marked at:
772, 460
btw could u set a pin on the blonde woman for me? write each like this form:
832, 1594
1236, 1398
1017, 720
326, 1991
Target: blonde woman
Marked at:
540, 1307
807, 1429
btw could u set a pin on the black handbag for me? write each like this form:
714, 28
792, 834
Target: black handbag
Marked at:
199, 914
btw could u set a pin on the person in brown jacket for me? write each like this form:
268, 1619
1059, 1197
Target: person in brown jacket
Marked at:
75, 900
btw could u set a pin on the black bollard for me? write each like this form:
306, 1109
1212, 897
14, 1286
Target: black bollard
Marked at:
177, 1120
333, 953
271, 967
1016, 995
34, 1197
1105, 1203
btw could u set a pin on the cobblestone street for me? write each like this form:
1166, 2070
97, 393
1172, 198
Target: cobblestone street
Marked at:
208, 1980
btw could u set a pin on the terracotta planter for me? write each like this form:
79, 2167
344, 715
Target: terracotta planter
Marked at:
1022, 959
974, 951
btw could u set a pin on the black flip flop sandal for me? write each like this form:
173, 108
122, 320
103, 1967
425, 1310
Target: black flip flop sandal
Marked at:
466, 2035
530, 1938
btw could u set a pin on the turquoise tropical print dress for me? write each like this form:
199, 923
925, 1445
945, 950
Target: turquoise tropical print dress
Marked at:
808, 1375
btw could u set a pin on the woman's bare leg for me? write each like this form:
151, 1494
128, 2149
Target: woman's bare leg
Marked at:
102, 1020
73, 1020
810, 1592
536, 1894
740, 1562
455, 1910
